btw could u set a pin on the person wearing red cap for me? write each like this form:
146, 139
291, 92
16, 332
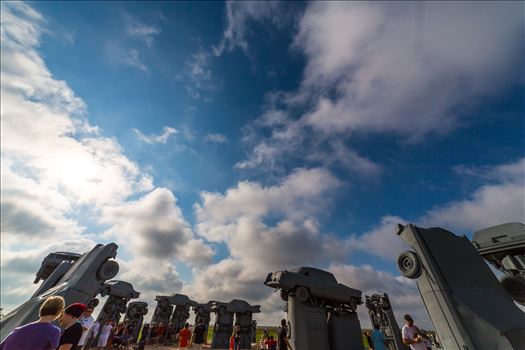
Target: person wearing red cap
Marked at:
72, 328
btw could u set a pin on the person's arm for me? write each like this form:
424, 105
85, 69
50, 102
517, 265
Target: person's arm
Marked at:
65, 347
287, 343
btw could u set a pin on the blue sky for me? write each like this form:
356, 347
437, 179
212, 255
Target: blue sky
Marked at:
214, 138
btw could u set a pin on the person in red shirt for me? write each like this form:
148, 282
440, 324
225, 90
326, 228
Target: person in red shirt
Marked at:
272, 344
184, 337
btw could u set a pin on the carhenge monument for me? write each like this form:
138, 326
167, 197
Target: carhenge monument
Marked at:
469, 308
181, 313
382, 315
321, 312
243, 317
135, 316
203, 313
224, 317
119, 293
75, 278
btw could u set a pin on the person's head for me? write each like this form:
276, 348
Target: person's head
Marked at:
283, 322
88, 311
409, 320
52, 306
71, 314
271, 337
186, 325
376, 326
265, 331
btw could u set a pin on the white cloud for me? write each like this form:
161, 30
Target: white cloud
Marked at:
403, 69
215, 138
197, 77
153, 226
120, 54
500, 200
162, 138
138, 29
238, 16
298, 196
57, 170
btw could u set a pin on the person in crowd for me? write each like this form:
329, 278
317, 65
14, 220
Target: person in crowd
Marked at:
264, 337
282, 337
236, 337
87, 321
198, 335
184, 337
39, 335
411, 334
71, 326
271, 343
368, 337
92, 333
104, 335
159, 333
378, 339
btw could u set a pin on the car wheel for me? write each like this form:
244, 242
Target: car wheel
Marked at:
222, 310
409, 264
385, 303
302, 294
104, 292
164, 302
284, 295
107, 270
515, 286
200, 310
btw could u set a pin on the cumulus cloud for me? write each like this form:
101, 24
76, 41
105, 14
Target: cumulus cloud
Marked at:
55, 165
499, 200
162, 138
297, 196
154, 226
405, 69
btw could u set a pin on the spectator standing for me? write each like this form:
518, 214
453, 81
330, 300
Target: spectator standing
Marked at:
184, 337
411, 334
236, 337
271, 343
87, 321
104, 335
378, 339
72, 327
39, 335
198, 335
282, 337
264, 337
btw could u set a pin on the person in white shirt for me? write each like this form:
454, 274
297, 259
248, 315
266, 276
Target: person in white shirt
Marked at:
104, 335
86, 320
412, 335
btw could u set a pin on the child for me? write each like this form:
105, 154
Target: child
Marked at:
272, 344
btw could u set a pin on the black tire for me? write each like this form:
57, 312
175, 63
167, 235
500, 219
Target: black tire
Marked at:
302, 294
110, 309
385, 303
284, 295
164, 302
515, 286
107, 270
222, 310
200, 310
104, 292
145, 311
409, 264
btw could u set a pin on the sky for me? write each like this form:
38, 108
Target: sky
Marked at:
217, 142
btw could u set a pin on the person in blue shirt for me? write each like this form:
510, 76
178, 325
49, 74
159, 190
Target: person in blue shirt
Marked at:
378, 339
